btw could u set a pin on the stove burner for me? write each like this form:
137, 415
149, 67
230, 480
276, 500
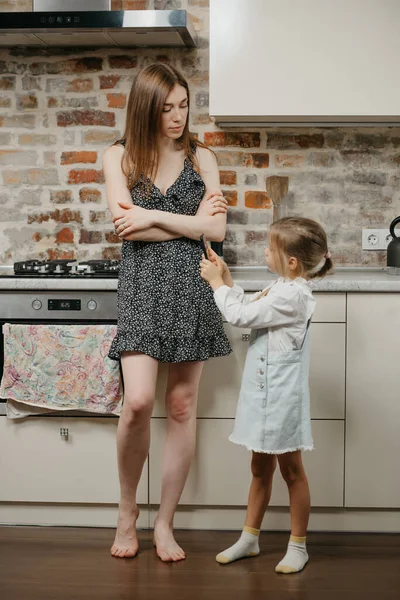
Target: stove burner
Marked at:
28, 266
66, 268
100, 266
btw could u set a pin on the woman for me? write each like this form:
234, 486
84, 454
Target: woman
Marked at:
163, 192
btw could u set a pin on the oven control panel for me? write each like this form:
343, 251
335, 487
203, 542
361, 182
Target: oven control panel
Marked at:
63, 304
59, 305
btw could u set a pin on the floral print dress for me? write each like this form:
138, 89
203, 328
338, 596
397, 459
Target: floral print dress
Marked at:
165, 309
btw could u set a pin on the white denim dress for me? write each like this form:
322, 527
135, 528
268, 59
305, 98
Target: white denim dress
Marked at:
273, 412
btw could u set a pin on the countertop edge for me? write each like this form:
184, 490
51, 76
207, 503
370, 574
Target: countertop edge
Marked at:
251, 279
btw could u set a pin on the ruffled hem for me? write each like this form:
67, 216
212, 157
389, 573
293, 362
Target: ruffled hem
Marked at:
264, 451
171, 350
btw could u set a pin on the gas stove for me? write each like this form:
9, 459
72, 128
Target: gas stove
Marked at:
67, 268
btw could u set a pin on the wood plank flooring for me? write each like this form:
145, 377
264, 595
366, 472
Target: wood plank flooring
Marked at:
53, 563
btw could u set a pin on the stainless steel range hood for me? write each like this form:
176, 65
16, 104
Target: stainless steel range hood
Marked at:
94, 27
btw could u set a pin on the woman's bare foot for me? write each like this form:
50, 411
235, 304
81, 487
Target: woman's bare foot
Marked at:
166, 547
126, 543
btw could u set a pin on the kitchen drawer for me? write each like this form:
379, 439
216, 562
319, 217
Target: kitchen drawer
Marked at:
220, 474
38, 465
330, 308
327, 370
220, 381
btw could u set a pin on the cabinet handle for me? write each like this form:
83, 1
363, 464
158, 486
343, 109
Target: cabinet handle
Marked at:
64, 433
245, 337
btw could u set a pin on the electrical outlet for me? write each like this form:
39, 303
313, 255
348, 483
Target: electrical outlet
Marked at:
386, 237
375, 239
370, 239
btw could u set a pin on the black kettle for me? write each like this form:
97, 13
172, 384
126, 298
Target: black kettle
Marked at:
393, 249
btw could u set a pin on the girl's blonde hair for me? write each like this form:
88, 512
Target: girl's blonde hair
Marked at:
148, 94
303, 239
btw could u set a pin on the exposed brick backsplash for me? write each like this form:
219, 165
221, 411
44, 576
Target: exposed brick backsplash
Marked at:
116, 100
222, 138
257, 200
79, 176
61, 196
60, 109
82, 156
89, 195
86, 117
231, 196
228, 177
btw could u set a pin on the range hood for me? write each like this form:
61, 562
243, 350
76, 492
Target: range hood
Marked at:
95, 28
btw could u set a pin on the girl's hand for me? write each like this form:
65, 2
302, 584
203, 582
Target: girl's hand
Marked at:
222, 267
210, 273
133, 219
217, 261
213, 203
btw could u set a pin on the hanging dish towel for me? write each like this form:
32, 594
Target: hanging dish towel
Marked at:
61, 367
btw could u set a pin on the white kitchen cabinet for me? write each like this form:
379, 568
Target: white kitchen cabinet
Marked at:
220, 469
327, 370
304, 61
220, 382
330, 308
373, 401
38, 465
220, 474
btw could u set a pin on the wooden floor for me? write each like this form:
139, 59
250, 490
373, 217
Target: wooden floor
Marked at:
49, 563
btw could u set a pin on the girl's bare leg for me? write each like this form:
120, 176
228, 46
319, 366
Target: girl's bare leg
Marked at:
292, 470
262, 468
291, 466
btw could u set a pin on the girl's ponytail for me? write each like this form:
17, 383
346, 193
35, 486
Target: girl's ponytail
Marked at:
324, 270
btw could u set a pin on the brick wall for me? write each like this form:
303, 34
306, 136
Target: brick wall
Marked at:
60, 109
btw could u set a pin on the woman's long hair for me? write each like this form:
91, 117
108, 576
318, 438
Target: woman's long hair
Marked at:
148, 95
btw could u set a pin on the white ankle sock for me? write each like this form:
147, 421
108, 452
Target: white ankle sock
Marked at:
247, 545
295, 558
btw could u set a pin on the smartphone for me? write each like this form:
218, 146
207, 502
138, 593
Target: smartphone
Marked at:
203, 244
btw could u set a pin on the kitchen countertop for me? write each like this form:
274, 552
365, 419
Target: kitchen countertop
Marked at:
344, 279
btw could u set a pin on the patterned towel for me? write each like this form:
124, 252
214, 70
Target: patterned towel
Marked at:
61, 367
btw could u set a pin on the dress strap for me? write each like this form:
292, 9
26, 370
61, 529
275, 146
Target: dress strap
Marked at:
193, 147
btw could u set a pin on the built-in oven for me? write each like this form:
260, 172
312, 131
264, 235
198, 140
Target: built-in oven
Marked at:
67, 307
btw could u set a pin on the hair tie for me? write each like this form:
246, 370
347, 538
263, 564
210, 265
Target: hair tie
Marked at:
328, 255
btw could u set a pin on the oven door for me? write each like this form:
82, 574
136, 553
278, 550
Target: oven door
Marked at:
48, 322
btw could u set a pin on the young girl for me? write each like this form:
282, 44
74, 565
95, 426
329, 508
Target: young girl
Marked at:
273, 414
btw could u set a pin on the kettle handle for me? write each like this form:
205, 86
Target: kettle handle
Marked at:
392, 226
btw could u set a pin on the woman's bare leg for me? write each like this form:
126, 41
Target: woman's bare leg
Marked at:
133, 440
181, 405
